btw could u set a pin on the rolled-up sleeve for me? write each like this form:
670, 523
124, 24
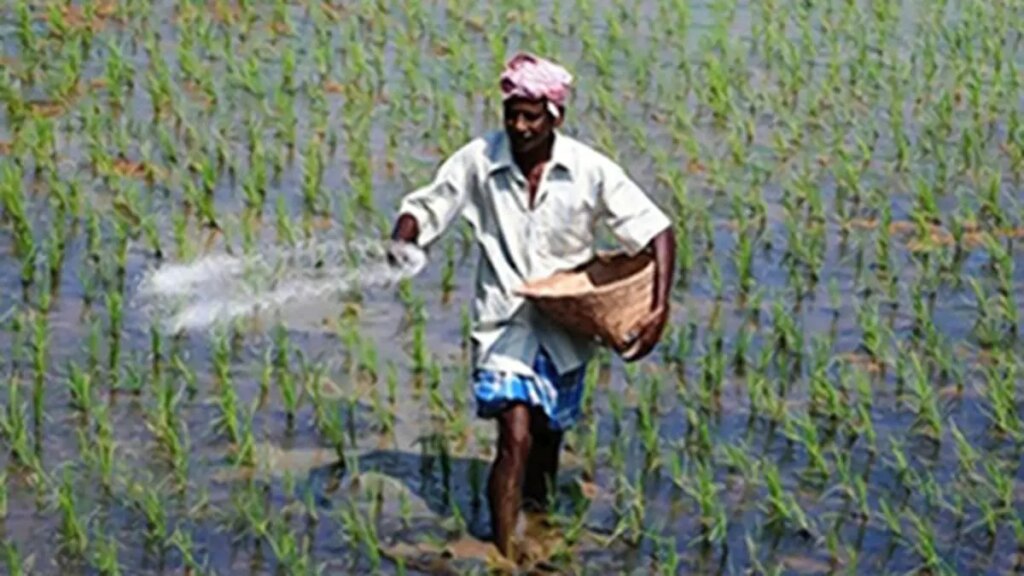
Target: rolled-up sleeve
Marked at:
436, 205
633, 218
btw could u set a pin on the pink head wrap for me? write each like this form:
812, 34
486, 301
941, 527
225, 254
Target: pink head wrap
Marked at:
532, 77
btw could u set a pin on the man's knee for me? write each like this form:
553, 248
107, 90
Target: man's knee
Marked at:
514, 437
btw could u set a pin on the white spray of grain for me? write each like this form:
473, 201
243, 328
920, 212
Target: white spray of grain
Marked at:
221, 288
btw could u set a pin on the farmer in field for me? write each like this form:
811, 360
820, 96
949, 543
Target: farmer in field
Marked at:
533, 196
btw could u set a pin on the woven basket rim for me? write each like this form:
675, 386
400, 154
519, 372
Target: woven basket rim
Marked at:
542, 288
609, 311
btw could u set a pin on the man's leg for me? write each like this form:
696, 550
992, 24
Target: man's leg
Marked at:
542, 464
505, 482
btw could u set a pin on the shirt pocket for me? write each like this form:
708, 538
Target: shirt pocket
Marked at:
569, 221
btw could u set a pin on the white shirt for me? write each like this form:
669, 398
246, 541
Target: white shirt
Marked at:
578, 189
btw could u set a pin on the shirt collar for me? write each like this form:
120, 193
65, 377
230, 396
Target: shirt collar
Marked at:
501, 153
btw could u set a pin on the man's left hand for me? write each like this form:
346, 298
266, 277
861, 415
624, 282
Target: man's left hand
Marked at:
664, 247
650, 333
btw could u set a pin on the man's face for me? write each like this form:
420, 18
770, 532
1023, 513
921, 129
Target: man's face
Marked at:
528, 124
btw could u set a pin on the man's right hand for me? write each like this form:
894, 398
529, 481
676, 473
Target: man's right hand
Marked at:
399, 254
406, 231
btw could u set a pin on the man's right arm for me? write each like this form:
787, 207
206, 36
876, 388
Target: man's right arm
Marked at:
426, 213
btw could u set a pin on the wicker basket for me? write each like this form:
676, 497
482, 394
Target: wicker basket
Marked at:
607, 298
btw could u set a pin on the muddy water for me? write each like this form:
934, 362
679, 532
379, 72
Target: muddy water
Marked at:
305, 484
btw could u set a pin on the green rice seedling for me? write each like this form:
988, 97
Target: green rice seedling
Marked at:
668, 560
758, 393
989, 518
991, 212
312, 173
436, 402
864, 426
631, 512
712, 366
1002, 263
1017, 523
883, 245
290, 392
3, 496
14, 210
221, 357
314, 387
114, 304
244, 450
419, 346
226, 422
859, 494
806, 433
923, 324
148, 501
104, 559
647, 422
699, 428
13, 424
448, 270
786, 337
99, 447
755, 561
703, 488
825, 397
737, 459
931, 493
872, 330
40, 354
159, 85
182, 542
55, 250
73, 533
16, 566
780, 506
285, 232
266, 376
926, 544
967, 456
905, 474
986, 324
331, 427
16, 355
369, 360
392, 384
42, 146
588, 450
251, 514
928, 420
1000, 388
1000, 486
201, 203
363, 531
155, 354
743, 259
80, 388
255, 181
186, 373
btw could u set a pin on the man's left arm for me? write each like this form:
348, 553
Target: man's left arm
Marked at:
637, 222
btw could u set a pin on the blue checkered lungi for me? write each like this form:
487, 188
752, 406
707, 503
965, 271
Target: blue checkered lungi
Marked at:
561, 397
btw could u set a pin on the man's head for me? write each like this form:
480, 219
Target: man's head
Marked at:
534, 92
529, 123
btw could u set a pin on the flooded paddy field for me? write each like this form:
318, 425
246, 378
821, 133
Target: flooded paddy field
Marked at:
210, 370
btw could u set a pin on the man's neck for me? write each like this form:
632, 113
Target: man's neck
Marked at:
530, 160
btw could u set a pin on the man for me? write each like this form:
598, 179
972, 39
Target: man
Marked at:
533, 197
